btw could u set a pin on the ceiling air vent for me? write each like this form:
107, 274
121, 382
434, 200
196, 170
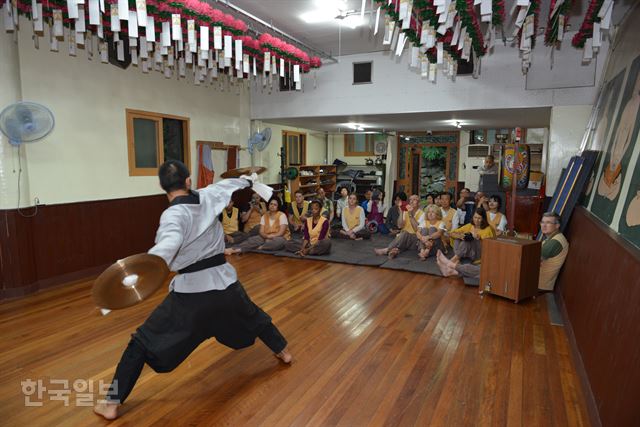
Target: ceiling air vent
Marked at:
362, 72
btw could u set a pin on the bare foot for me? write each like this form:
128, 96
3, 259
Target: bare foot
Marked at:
439, 255
107, 409
285, 356
423, 254
380, 251
393, 253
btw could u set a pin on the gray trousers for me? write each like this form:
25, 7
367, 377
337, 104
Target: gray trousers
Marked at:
322, 247
364, 234
404, 241
238, 237
254, 242
464, 249
468, 270
437, 244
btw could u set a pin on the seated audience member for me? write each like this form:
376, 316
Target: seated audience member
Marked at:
251, 217
395, 212
298, 212
449, 214
315, 239
496, 219
467, 243
274, 231
429, 200
326, 205
431, 238
230, 226
342, 202
436, 199
367, 198
353, 221
467, 205
376, 209
554, 251
410, 223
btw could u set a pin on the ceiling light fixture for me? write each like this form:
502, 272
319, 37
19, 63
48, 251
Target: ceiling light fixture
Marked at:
325, 11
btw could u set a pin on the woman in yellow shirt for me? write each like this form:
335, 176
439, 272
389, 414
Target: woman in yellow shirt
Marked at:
467, 241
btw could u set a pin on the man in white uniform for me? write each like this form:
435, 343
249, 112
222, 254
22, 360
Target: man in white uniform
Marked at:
205, 299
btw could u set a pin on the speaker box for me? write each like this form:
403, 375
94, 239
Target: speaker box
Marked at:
113, 53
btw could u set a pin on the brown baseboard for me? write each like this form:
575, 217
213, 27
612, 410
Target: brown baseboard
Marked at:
592, 407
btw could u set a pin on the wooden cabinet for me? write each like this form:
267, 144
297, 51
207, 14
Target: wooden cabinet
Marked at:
311, 177
510, 267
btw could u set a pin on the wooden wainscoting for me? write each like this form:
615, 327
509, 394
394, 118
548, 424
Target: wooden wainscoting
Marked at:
70, 241
600, 288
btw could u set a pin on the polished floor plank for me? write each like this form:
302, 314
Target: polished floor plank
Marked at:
372, 347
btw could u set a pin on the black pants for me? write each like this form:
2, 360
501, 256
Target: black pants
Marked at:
182, 322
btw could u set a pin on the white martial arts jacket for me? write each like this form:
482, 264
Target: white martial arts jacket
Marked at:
191, 232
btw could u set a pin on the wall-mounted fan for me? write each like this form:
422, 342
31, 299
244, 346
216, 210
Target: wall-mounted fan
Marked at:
259, 140
26, 122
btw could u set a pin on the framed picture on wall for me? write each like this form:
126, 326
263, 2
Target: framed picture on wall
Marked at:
616, 158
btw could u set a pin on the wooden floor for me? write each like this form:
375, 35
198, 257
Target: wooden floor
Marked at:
371, 347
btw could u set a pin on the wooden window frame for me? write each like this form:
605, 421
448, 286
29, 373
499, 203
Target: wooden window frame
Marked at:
156, 117
285, 141
349, 141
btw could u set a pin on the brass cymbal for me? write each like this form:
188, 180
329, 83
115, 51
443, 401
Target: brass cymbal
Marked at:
236, 173
129, 281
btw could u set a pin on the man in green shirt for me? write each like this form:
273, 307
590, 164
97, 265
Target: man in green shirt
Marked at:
554, 251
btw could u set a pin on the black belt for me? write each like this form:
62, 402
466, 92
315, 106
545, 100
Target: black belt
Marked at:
203, 264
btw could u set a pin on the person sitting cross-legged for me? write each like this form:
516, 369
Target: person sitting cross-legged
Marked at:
410, 223
395, 212
467, 243
251, 217
432, 237
316, 234
274, 231
230, 226
353, 223
298, 212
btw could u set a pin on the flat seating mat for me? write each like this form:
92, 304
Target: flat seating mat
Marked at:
361, 252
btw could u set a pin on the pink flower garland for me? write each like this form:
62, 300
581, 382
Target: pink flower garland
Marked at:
199, 11
586, 29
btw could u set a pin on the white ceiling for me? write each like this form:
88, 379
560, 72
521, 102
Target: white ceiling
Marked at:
470, 119
338, 40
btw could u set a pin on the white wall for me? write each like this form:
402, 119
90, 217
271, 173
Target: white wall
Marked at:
396, 89
269, 158
85, 158
10, 161
567, 127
